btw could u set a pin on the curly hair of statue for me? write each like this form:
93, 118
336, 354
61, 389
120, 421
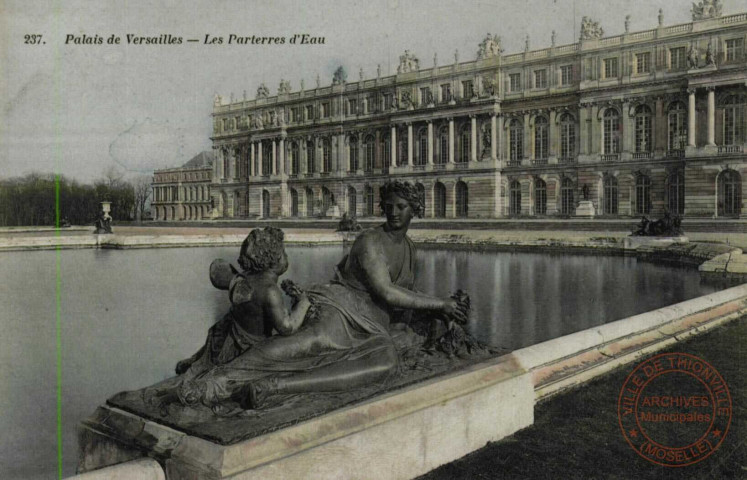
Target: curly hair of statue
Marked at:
407, 191
262, 249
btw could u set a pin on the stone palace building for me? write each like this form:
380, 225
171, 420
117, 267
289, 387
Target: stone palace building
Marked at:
183, 193
626, 125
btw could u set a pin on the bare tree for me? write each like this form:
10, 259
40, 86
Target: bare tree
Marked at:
141, 185
113, 176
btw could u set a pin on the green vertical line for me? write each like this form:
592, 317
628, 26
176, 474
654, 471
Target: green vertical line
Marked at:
58, 270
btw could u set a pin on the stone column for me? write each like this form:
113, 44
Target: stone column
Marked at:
281, 162
451, 140
347, 154
274, 164
473, 139
259, 159
409, 144
493, 137
393, 145
251, 160
430, 142
528, 145
711, 142
691, 118
628, 137
554, 131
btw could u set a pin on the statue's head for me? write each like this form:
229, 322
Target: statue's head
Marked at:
263, 250
406, 191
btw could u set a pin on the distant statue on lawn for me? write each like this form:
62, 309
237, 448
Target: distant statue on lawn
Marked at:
103, 223
667, 226
348, 224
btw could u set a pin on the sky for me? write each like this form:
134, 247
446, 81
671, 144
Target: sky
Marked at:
79, 109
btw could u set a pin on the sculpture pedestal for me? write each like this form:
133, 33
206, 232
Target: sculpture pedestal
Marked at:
585, 209
633, 243
400, 434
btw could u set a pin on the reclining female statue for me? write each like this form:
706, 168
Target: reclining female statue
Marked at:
346, 343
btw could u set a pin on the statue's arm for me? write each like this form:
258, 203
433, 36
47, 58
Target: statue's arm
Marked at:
286, 323
372, 260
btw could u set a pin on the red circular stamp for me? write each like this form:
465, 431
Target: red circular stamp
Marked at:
674, 409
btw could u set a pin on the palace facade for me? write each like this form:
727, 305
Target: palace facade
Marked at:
628, 125
183, 193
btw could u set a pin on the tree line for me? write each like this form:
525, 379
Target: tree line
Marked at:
30, 200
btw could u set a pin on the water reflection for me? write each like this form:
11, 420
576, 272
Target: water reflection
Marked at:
127, 317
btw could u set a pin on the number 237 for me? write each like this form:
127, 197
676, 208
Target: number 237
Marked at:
32, 39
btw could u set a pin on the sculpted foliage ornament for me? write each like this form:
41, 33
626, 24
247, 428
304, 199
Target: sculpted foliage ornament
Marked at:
263, 91
590, 29
408, 63
706, 9
489, 47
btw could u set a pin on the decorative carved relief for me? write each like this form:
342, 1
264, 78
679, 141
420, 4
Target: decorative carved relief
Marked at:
263, 91
706, 9
590, 29
408, 63
285, 87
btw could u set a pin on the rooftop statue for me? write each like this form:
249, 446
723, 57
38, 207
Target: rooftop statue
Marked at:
590, 29
408, 63
284, 87
361, 331
263, 91
340, 76
706, 9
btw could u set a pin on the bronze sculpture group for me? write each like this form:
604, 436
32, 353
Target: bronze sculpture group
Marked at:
344, 335
667, 226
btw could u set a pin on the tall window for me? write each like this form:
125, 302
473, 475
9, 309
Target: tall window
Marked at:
402, 157
265, 204
422, 157
294, 158
514, 80
309, 202
294, 202
540, 78
439, 198
352, 202
541, 139
353, 144
610, 68
676, 192
567, 136
446, 92
266, 158
612, 132
310, 156
464, 144
643, 62
462, 200
514, 198
729, 193
386, 153
468, 89
309, 112
326, 110
425, 96
516, 146
566, 75
540, 197
567, 204
610, 195
642, 195
370, 148
326, 156
677, 58
388, 101
443, 143
352, 106
643, 129
734, 121
326, 200
734, 49
369, 200
421, 194
676, 126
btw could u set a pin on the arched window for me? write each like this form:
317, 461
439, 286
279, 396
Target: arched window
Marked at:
567, 138
309, 202
369, 200
734, 120
516, 142
370, 148
676, 127
643, 143
421, 194
610, 195
567, 204
540, 197
462, 200
353, 147
612, 133
310, 156
443, 144
422, 157
326, 156
294, 156
352, 202
514, 198
676, 192
265, 204
402, 158
729, 194
386, 153
439, 198
294, 202
326, 201
266, 158
642, 195
541, 140
465, 144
